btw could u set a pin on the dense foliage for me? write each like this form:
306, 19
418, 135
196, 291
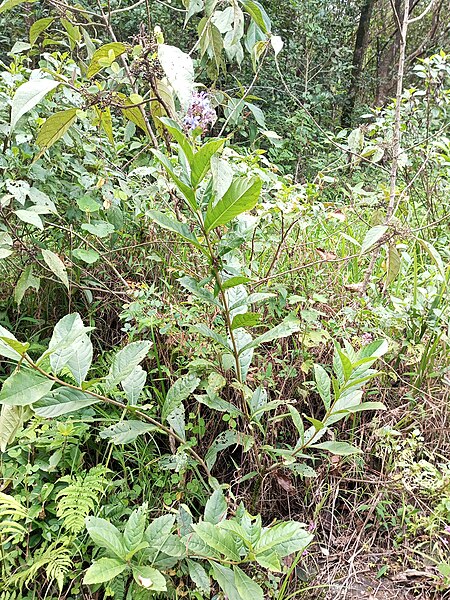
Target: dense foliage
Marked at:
224, 306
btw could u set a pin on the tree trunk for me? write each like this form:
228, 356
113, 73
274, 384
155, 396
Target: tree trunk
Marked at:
362, 40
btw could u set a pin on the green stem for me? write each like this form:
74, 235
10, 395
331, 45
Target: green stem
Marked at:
121, 405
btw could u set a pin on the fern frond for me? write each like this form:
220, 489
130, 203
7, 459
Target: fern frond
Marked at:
55, 560
80, 497
11, 511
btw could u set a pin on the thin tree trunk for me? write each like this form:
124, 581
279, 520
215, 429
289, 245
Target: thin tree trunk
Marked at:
361, 43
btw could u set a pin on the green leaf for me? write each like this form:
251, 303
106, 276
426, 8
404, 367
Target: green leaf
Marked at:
178, 392
6, 348
217, 403
56, 266
70, 347
176, 226
185, 189
179, 69
298, 423
338, 448
31, 217
104, 570
376, 348
100, 229
26, 281
218, 539
198, 575
102, 56
209, 333
323, 383
175, 130
225, 578
135, 528
104, 534
434, 255
373, 236
54, 128
234, 281
269, 560
258, 14
8, 4
11, 419
201, 161
88, 256
216, 508
134, 384
444, 569
246, 587
366, 406
39, 27
125, 361
125, 432
249, 319
393, 264
278, 534
222, 175
61, 402
28, 95
286, 328
242, 195
159, 530
149, 578
24, 387
177, 421
20, 348
193, 286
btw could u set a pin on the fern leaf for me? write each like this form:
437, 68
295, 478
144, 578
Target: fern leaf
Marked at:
80, 498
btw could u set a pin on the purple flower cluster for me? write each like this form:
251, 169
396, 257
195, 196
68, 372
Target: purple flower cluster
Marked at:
366, 338
200, 113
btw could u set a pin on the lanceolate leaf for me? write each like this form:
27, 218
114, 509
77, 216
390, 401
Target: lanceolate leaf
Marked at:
39, 27
24, 387
247, 588
225, 578
242, 195
176, 226
61, 402
134, 384
284, 329
201, 161
103, 53
10, 422
125, 362
104, 534
104, 570
125, 432
56, 266
180, 391
54, 128
8, 4
26, 281
323, 383
175, 130
372, 237
216, 508
28, 95
220, 540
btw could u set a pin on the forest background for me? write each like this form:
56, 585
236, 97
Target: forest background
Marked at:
224, 307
